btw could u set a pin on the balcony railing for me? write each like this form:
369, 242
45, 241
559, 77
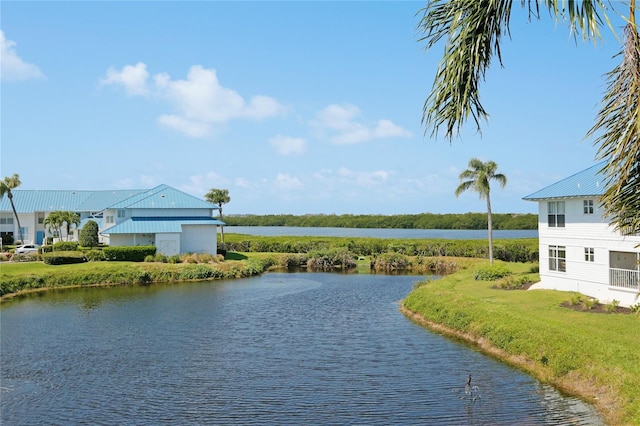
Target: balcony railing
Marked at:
624, 278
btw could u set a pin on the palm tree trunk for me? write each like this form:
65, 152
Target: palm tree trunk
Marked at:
221, 228
490, 228
15, 213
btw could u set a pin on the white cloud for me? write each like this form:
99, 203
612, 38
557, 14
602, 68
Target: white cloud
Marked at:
363, 179
286, 145
199, 185
199, 101
285, 182
132, 77
340, 121
12, 67
194, 129
242, 183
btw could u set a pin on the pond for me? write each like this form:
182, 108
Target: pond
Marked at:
303, 348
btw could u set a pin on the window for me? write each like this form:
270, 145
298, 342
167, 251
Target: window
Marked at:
556, 214
558, 258
121, 213
108, 219
6, 221
588, 206
589, 255
40, 218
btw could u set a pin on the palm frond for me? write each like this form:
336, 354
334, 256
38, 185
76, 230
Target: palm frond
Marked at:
473, 29
618, 126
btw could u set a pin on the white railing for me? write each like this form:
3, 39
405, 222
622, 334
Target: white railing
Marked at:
624, 278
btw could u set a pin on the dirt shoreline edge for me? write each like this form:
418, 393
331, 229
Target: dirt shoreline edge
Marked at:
605, 401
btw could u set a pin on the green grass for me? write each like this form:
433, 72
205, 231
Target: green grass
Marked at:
595, 356
16, 277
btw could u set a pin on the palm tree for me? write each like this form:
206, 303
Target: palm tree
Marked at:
477, 177
8, 184
219, 197
54, 221
473, 30
70, 218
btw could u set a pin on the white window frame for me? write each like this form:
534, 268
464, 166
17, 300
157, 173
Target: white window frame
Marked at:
587, 206
556, 214
121, 214
109, 219
589, 254
558, 258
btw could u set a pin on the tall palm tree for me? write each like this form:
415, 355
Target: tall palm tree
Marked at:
219, 197
477, 177
473, 29
8, 184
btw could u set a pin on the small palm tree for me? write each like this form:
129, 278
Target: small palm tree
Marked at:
53, 222
6, 186
478, 177
219, 197
69, 219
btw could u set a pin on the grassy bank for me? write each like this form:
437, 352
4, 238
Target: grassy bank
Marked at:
594, 356
16, 278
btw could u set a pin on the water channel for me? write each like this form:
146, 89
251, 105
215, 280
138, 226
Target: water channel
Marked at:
300, 348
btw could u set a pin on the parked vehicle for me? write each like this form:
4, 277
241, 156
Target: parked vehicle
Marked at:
27, 248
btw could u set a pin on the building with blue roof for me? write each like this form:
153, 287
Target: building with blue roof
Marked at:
172, 220
579, 250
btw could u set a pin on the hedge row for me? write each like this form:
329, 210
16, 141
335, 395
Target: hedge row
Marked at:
128, 253
64, 257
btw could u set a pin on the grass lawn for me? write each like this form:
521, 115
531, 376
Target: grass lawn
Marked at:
593, 355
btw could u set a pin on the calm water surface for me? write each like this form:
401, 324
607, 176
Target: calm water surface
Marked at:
306, 348
448, 234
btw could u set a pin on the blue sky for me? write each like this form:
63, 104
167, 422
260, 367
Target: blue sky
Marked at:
294, 107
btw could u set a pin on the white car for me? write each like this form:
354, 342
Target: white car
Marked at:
27, 248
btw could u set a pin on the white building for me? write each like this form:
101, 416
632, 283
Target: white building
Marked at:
173, 221
579, 250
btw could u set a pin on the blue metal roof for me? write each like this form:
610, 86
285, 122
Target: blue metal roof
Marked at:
587, 183
99, 200
42, 200
158, 225
163, 197
29, 201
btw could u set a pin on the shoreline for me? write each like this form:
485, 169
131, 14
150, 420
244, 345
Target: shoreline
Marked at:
600, 397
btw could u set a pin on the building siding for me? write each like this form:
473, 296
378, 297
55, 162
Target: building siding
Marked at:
583, 231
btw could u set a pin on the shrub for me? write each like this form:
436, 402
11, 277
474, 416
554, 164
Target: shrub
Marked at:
512, 283
94, 255
25, 257
613, 306
149, 258
7, 239
491, 273
391, 262
174, 258
64, 257
65, 246
590, 303
128, 253
89, 234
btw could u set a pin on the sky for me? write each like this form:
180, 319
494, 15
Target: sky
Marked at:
294, 107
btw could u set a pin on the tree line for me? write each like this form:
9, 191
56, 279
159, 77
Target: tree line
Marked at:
403, 221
